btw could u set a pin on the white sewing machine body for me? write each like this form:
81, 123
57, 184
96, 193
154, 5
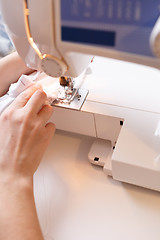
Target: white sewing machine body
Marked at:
68, 30
123, 119
121, 113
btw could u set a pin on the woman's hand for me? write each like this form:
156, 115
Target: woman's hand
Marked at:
24, 134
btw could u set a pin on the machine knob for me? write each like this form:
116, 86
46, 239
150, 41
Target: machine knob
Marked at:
53, 66
155, 38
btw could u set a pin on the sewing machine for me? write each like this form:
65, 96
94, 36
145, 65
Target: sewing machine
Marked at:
60, 38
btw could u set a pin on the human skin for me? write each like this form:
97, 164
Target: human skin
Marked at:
24, 136
11, 68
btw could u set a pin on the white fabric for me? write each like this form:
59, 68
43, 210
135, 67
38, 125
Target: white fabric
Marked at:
26, 81
15, 89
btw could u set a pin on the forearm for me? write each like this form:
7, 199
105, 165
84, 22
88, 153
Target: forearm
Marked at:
18, 217
11, 68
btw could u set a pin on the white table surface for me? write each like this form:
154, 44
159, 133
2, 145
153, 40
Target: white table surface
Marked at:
81, 202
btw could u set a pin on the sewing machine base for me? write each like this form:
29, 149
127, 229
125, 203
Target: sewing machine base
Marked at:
123, 114
121, 145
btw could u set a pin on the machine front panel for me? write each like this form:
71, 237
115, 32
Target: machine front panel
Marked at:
122, 25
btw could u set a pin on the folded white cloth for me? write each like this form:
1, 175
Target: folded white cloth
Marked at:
26, 81
15, 89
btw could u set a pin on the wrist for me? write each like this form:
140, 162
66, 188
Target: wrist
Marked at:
15, 183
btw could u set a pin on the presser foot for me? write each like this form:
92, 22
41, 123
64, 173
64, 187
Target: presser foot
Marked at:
71, 98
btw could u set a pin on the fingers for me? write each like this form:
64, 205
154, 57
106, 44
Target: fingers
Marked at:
49, 132
33, 101
23, 98
50, 128
36, 102
45, 113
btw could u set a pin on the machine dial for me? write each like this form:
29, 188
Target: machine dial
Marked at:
53, 66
